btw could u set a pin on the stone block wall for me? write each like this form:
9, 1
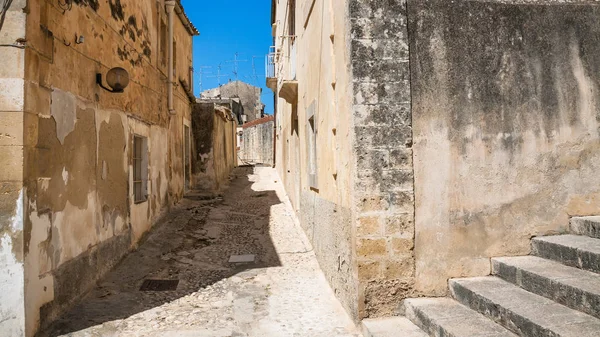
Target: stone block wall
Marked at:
257, 142
383, 190
12, 141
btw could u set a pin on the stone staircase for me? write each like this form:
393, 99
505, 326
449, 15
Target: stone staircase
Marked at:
555, 292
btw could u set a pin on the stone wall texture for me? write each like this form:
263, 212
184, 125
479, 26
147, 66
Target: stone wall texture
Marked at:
383, 190
12, 140
257, 142
249, 95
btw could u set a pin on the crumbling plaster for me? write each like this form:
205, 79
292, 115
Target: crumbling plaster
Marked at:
79, 218
214, 146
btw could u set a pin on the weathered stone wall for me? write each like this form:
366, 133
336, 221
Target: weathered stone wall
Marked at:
249, 95
75, 160
214, 146
12, 140
506, 112
257, 142
383, 191
325, 210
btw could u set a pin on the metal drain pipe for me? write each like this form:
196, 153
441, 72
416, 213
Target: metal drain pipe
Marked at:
170, 7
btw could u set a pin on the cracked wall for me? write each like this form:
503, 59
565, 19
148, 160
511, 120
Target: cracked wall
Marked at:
66, 147
506, 121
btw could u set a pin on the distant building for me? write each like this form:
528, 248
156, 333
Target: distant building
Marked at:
248, 95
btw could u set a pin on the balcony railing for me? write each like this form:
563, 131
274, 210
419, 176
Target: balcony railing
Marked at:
270, 62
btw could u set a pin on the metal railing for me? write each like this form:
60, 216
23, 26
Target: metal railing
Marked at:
270, 62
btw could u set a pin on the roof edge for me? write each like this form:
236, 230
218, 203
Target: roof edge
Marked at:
185, 20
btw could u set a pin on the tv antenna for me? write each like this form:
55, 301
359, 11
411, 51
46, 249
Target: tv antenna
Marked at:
236, 62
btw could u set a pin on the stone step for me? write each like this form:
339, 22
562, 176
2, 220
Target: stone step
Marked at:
391, 327
572, 250
578, 289
586, 225
522, 312
446, 317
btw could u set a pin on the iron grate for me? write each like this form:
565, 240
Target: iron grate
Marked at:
159, 285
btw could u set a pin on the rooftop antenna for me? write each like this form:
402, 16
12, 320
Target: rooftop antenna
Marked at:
254, 75
235, 62
201, 74
219, 75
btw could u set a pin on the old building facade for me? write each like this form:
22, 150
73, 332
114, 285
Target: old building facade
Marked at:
247, 94
85, 172
411, 166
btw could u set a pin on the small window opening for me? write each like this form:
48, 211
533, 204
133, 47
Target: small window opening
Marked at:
313, 166
292, 19
163, 43
174, 57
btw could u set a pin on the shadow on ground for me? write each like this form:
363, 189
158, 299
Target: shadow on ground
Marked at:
192, 244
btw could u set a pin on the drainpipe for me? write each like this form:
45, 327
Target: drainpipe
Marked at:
170, 7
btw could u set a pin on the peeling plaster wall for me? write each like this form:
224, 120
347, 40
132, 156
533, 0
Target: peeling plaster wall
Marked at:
79, 211
214, 146
506, 120
12, 311
326, 212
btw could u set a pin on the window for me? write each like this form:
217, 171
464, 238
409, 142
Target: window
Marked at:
292, 18
174, 57
312, 129
186, 156
140, 169
163, 43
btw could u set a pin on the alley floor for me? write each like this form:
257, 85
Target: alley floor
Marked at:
281, 293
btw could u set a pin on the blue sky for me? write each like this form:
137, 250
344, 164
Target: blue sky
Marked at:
228, 27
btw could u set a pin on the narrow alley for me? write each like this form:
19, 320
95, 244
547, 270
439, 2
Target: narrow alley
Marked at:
281, 293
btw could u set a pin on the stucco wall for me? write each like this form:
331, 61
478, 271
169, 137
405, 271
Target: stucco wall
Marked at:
506, 121
12, 98
214, 146
79, 210
325, 212
257, 142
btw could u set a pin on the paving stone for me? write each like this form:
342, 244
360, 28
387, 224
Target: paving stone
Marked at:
588, 225
248, 258
391, 327
282, 295
522, 312
572, 250
573, 287
446, 317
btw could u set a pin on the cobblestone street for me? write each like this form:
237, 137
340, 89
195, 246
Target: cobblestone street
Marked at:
282, 293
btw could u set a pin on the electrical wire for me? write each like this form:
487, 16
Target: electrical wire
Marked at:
3, 9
